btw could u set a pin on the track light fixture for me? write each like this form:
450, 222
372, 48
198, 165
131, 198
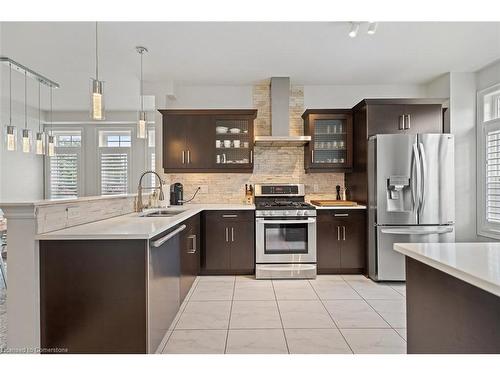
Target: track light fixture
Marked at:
353, 32
354, 29
372, 28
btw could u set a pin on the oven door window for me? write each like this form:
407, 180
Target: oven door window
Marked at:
285, 238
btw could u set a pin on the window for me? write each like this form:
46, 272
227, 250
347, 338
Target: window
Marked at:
488, 164
114, 161
64, 167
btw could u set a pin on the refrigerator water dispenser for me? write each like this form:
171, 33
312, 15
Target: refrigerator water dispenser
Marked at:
398, 194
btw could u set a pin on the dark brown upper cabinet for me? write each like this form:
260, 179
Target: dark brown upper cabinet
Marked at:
330, 149
208, 140
405, 116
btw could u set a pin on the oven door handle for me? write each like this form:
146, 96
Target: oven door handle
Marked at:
308, 221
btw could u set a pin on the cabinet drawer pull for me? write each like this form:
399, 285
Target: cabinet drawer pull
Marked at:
193, 244
172, 234
343, 231
340, 215
407, 122
232, 234
229, 215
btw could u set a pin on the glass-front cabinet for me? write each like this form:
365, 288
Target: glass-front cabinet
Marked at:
233, 143
330, 148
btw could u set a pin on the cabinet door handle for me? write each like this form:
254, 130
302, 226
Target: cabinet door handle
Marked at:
229, 215
183, 157
402, 122
343, 231
227, 234
232, 234
407, 122
338, 233
312, 156
192, 250
340, 215
251, 156
189, 157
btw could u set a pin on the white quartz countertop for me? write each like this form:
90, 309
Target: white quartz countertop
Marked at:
475, 263
357, 207
133, 225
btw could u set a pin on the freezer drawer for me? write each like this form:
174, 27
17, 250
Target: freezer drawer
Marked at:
387, 264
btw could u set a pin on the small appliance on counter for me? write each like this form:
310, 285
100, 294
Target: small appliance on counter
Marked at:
176, 194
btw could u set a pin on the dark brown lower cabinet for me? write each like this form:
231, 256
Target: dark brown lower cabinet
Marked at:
228, 242
115, 296
341, 241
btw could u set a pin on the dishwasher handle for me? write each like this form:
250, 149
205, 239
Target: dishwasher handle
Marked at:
172, 234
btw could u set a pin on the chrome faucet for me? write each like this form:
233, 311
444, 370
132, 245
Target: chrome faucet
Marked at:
140, 205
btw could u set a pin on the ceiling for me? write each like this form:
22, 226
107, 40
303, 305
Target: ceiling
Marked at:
236, 53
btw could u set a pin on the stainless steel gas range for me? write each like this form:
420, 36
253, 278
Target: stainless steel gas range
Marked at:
285, 233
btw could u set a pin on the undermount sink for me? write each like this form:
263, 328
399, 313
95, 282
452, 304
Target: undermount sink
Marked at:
163, 213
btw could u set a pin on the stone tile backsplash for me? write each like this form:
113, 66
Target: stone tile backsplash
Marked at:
271, 164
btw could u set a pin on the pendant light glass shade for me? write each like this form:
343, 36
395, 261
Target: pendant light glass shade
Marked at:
141, 125
11, 138
97, 100
26, 140
40, 143
51, 146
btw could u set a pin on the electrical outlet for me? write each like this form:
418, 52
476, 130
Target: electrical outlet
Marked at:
316, 188
203, 189
73, 212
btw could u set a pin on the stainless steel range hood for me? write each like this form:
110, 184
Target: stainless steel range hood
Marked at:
280, 129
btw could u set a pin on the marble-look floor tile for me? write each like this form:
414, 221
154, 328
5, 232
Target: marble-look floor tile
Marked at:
304, 314
222, 278
354, 314
260, 290
334, 290
371, 290
256, 341
213, 291
294, 290
328, 278
399, 287
316, 341
355, 277
196, 342
374, 341
401, 332
205, 315
254, 314
393, 311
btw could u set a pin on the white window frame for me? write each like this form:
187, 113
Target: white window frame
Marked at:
62, 150
118, 150
484, 228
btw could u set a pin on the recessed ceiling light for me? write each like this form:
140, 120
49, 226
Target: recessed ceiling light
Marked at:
372, 27
354, 29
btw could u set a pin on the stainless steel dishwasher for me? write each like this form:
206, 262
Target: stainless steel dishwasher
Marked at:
164, 271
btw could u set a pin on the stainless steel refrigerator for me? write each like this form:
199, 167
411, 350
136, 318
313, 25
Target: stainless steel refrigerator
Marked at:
411, 197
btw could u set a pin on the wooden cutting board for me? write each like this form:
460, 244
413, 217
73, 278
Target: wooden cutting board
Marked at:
333, 203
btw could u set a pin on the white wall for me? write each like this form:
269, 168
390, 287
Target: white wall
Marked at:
211, 97
488, 76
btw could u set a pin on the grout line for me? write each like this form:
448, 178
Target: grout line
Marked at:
230, 313
331, 317
281, 319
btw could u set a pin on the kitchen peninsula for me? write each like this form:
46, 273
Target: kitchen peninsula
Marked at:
453, 297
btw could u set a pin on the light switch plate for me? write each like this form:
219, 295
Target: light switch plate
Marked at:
203, 189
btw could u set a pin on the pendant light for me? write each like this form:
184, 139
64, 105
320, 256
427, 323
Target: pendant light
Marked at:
142, 120
97, 87
11, 132
40, 135
25, 132
50, 145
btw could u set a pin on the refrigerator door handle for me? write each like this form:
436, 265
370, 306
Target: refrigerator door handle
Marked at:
415, 183
424, 174
417, 231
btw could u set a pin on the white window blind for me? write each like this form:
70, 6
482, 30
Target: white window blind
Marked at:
64, 175
114, 173
493, 176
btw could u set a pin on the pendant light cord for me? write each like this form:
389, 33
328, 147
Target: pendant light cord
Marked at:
10, 94
51, 111
96, 54
142, 94
25, 100
39, 122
